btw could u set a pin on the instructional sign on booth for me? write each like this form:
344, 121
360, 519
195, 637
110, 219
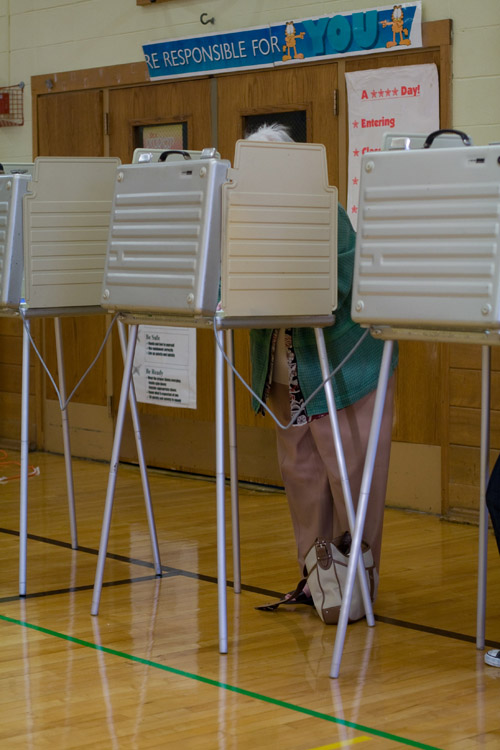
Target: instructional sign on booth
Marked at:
165, 366
387, 28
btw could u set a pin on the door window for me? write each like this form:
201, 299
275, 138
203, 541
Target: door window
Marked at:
295, 121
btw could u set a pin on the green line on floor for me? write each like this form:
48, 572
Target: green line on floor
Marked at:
222, 685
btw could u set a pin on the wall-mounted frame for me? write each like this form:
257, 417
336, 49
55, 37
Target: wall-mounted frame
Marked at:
171, 135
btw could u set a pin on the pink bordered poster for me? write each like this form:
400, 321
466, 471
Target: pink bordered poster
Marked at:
399, 100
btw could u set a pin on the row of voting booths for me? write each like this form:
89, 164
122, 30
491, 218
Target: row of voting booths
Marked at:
186, 238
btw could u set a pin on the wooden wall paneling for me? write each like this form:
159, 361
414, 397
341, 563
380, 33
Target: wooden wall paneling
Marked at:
464, 479
11, 341
445, 427
465, 427
82, 337
469, 357
465, 388
464, 417
418, 394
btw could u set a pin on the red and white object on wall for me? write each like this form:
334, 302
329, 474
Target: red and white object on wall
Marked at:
11, 105
399, 99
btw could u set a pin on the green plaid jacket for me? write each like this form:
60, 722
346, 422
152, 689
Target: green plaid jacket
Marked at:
360, 373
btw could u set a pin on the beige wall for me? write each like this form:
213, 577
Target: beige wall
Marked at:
49, 36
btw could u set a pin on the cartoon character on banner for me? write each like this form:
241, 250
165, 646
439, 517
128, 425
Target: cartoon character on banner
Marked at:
397, 23
291, 37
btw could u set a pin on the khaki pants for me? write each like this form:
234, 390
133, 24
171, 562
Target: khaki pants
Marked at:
310, 472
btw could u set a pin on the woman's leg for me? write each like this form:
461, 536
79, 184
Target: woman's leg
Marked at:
304, 476
354, 425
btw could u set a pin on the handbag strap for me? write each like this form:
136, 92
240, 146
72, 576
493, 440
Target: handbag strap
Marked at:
294, 597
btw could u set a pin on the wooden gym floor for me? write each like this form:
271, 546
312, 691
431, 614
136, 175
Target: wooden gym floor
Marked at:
146, 673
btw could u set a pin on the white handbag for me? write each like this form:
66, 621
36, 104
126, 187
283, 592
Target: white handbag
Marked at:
326, 564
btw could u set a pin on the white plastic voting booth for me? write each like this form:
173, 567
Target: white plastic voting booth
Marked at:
266, 236
427, 268
55, 215
12, 190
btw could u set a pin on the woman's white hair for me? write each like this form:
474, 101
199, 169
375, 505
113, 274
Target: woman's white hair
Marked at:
274, 132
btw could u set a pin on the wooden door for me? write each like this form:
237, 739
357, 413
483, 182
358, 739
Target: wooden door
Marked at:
182, 438
303, 98
174, 438
66, 124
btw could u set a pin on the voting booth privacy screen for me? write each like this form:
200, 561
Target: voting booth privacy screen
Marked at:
164, 237
12, 190
428, 241
279, 240
55, 215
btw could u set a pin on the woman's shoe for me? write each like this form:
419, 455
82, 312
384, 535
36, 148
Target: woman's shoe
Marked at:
492, 658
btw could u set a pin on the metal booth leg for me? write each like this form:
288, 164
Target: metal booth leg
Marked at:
344, 476
23, 491
220, 490
371, 452
65, 433
113, 467
140, 454
483, 482
233, 463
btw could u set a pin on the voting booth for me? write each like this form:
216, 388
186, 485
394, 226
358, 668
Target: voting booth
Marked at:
55, 218
13, 188
429, 238
150, 155
279, 241
164, 238
25, 168
261, 235
66, 221
427, 267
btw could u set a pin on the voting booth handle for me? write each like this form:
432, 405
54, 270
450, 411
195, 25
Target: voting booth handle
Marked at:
164, 156
436, 133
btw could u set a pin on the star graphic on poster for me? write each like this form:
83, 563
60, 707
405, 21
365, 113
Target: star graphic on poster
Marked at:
355, 180
381, 93
395, 92
356, 152
387, 92
354, 209
374, 94
355, 124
